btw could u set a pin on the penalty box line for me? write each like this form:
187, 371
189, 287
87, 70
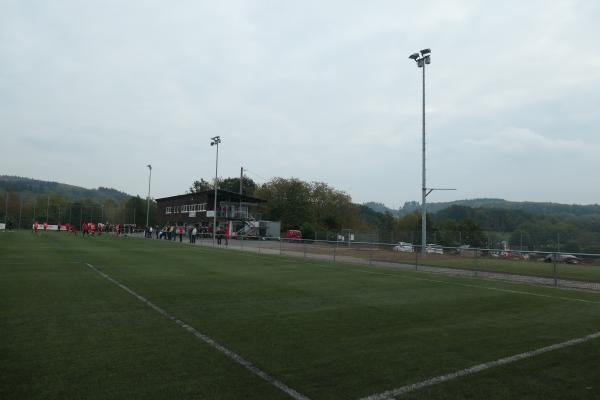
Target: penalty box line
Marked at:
391, 394
206, 339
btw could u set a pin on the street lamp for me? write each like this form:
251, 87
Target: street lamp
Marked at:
215, 142
148, 199
422, 58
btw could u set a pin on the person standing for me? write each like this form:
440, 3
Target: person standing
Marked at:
84, 229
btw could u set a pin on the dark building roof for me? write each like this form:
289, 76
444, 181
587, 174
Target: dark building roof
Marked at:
232, 196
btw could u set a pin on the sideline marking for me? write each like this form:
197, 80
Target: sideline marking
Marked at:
391, 394
206, 339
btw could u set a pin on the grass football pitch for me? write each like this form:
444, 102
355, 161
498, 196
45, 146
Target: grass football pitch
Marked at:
109, 317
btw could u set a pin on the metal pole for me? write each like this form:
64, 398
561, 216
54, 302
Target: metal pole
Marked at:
47, 209
241, 190
424, 187
148, 199
215, 202
6, 208
20, 211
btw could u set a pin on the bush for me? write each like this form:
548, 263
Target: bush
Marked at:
308, 231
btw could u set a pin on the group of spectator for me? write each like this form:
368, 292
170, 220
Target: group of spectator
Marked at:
191, 232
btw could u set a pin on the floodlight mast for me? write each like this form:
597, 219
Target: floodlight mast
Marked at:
215, 142
148, 199
422, 58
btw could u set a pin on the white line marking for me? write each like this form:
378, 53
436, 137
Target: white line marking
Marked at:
206, 339
391, 394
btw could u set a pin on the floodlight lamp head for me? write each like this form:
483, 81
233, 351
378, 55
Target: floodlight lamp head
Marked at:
424, 52
149, 166
414, 56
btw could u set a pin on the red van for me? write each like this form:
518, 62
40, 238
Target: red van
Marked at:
293, 234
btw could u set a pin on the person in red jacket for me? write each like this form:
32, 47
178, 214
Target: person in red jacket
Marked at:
45, 226
84, 229
35, 227
92, 228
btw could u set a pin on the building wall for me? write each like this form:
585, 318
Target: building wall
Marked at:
192, 208
176, 205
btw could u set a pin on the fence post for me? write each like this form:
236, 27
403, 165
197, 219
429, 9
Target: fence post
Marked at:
417, 258
20, 212
334, 247
555, 270
304, 241
476, 261
280, 244
371, 253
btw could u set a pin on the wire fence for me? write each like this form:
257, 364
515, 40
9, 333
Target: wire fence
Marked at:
574, 270
21, 213
522, 240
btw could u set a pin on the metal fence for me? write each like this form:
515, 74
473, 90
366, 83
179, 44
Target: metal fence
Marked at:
21, 213
574, 270
522, 240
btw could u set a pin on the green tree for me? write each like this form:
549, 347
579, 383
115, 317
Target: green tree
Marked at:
288, 201
233, 185
199, 186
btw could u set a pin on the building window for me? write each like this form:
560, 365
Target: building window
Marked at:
168, 210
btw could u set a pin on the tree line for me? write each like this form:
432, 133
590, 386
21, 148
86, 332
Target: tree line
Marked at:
317, 207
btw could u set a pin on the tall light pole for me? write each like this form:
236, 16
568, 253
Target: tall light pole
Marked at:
423, 58
148, 200
215, 142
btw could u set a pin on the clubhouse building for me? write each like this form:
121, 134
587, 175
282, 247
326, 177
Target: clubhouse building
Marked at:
234, 210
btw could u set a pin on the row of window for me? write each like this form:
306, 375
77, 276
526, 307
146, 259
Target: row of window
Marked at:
186, 208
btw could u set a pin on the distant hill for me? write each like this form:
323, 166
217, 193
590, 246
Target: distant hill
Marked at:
28, 187
381, 208
528, 206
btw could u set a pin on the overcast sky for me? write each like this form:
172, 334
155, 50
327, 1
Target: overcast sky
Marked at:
92, 91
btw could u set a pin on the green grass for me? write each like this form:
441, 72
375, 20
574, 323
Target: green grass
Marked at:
330, 331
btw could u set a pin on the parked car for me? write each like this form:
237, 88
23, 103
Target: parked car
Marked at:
403, 247
514, 255
566, 258
434, 249
293, 234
